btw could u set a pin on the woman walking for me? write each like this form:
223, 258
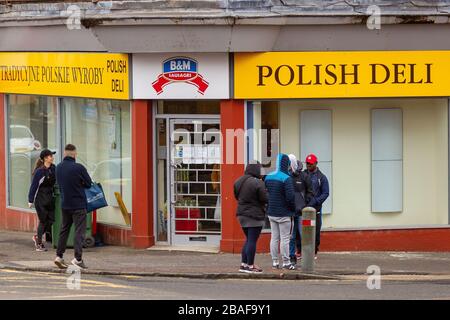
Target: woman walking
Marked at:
41, 195
252, 197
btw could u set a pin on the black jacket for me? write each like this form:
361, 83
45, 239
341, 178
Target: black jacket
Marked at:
72, 179
251, 193
41, 188
321, 188
303, 188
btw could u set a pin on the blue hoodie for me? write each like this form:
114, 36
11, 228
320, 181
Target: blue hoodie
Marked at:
281, 189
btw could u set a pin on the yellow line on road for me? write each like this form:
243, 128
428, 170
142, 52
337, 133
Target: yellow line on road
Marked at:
78, 296
64, 276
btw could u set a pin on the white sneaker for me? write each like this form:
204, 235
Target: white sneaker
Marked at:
60, 263
275, 265
79, 264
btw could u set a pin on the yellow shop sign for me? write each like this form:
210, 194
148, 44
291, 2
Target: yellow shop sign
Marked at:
90, 75
341, 74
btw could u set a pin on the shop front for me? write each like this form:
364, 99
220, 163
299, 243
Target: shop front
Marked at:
169, 134
379, 124
184, 93
50, 99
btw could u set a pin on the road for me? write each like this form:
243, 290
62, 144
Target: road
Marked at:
38, 285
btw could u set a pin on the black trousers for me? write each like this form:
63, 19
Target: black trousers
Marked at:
45, 209
69, 217
249, 249
318, 228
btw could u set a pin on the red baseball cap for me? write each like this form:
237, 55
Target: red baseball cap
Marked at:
311, 158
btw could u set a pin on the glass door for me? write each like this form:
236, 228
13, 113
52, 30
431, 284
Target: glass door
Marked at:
194, 171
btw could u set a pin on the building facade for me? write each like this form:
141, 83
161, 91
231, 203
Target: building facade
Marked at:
166, 119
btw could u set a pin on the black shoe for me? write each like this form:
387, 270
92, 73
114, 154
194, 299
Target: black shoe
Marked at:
243, 268
41, 248
254, 269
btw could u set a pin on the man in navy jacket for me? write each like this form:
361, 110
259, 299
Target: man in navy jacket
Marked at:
321, 190
72, 179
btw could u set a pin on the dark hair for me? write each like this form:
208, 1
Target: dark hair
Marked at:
39, 164
70, 147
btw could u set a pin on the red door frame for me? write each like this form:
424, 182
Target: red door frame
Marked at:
231, 118
142, 221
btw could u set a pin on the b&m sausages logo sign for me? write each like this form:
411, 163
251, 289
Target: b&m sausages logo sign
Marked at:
193, 76
180, 69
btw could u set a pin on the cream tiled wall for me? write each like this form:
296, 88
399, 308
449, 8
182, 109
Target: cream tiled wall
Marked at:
425, 159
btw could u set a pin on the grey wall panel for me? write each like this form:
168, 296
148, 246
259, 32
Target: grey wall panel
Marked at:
137, 38
140, 39
387, 160
50, 38
387, 186
359, 37
387, 137
316, 137
315, 134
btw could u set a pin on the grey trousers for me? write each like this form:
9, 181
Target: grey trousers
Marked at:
69, 217
281, 228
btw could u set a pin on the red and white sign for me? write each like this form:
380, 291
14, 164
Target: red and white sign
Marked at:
308, 223
181, 76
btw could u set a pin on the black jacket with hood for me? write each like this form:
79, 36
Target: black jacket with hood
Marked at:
251, 193
303, 188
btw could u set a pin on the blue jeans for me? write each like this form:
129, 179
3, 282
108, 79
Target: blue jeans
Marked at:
298, 224
296, 230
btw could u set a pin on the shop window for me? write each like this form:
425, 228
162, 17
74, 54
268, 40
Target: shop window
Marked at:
31, 127
101, 131
263, 142
315, 137
387, 160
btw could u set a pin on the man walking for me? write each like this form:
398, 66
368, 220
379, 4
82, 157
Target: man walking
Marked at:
281, 210
72, 179
321, 191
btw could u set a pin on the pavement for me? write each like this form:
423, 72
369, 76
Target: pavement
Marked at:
17, 253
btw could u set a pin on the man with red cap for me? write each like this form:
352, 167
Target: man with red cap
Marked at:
321, 191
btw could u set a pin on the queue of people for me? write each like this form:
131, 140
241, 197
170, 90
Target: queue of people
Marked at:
281, 195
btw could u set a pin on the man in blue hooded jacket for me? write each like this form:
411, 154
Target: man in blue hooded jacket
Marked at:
281, 210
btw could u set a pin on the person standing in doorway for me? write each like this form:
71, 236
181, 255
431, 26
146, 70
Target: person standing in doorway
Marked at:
321, 190
41, 195
303, 196
281, 210
251, 194
72, 179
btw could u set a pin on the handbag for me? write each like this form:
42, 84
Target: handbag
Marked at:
95, 197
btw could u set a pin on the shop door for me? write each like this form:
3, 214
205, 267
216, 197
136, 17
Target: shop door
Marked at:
195, 158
